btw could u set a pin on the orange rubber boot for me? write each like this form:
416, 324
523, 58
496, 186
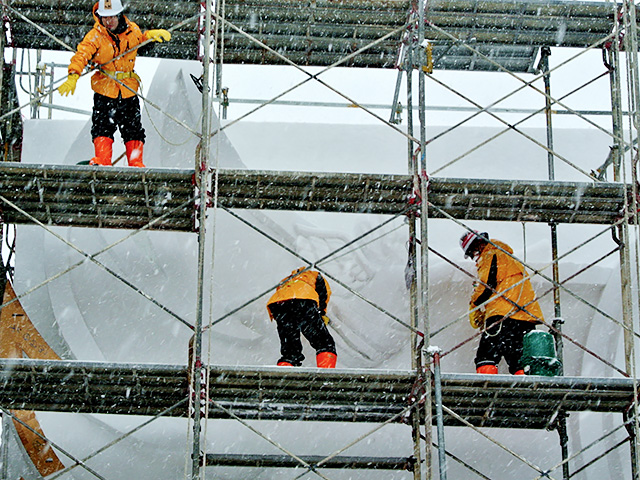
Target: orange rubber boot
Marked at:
487, 369
104, 149
134, 150
519, 372
326, 360
284, 364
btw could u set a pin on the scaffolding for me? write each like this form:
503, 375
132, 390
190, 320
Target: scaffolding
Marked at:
415, 38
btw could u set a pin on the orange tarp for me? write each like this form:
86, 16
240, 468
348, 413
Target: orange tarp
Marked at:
18, 337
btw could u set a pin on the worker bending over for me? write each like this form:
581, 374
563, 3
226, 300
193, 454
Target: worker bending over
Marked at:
299, 305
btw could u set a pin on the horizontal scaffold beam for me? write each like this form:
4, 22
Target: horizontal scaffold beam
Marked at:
286, 393
28, 19
122, 197
318, 461
97, 197
465, 199
324, 32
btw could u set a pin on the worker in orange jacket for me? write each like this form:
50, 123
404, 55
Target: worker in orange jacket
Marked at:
503, 301
110, 46
299, 305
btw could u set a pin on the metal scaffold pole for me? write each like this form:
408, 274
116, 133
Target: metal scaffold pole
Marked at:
424, 248
198, 375
631, 49
561, 423
416, 364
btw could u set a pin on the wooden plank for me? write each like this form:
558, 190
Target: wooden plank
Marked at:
338, 395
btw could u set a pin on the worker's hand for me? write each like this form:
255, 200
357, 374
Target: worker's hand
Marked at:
160, 35
476, 317
69, 86
325, 319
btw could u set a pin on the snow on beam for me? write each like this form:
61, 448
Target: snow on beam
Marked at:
84, 196
324, 31
277, 393
121, 197
466, 199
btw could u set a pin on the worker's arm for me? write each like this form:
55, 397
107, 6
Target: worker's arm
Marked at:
322, 288
488, 282
87, 48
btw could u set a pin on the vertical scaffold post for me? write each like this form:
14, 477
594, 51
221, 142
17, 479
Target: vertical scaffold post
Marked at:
631, 49
561, 423
202, 171
437, 381
416, 364
424, 238
615, 86
416, 360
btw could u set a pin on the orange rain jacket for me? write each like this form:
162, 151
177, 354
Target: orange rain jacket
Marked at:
501, 272
308, 285
100, 46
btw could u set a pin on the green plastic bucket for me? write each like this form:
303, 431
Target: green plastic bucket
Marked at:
539, 354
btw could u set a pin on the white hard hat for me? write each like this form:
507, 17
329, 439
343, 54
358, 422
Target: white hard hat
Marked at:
109, 8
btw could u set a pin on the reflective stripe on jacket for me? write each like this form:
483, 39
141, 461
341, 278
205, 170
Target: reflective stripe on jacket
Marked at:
100, 46
503, 273
307, 285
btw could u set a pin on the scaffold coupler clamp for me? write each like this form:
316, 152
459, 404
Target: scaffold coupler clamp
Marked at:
199, 401
414, 199
417, 396
433, 351
427, 59
554, 422
224, 102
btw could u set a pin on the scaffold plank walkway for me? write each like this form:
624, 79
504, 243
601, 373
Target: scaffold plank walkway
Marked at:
469, 199
30, 17
97, 197
121, 197
324, 31
344, 395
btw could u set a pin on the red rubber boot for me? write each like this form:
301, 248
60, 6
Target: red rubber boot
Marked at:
487, 369
134, 150
326, 360
104, 149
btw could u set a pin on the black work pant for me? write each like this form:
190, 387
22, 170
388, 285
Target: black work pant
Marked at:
502, 339
120, 113
300, 316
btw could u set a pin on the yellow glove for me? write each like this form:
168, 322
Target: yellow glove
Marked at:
476, 317
69, 86
158, 35
325, 319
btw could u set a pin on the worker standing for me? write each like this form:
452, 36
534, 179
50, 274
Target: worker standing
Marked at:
299, 305
111, 48
502, 304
